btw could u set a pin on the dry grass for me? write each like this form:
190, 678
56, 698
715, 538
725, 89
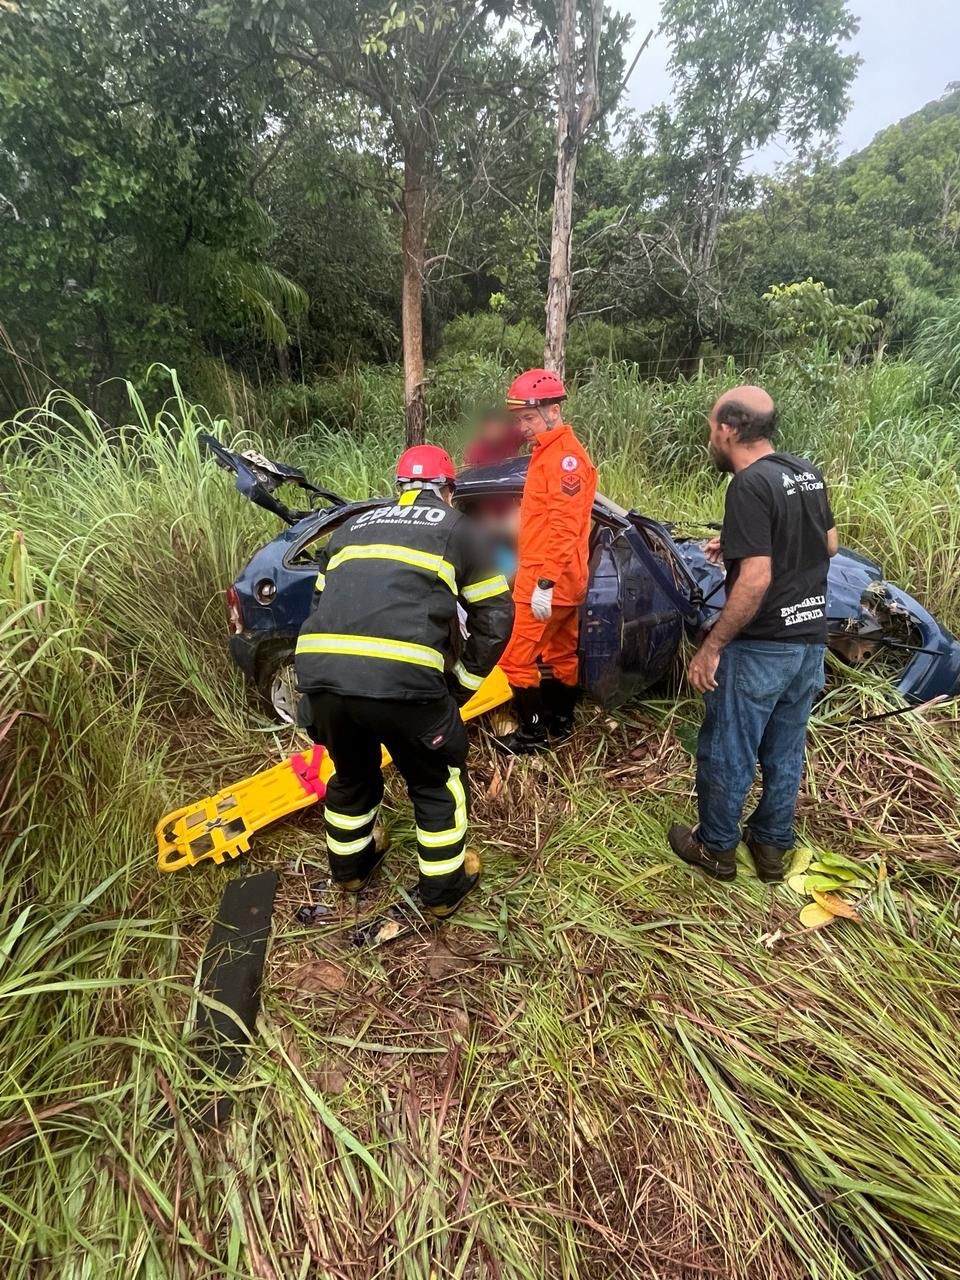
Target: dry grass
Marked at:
607, 1067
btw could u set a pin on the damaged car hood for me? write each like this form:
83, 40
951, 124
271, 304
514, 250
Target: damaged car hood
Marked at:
867, 615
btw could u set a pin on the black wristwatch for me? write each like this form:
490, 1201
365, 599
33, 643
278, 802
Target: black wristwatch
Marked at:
545, 584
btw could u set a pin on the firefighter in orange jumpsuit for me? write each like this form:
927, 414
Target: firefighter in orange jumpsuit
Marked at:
540, 661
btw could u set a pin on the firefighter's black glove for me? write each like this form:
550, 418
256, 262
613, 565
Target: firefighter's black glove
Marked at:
458, 693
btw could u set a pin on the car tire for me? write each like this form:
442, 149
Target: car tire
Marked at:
276, 685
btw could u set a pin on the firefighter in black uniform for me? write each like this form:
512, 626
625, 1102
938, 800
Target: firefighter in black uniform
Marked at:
380, 660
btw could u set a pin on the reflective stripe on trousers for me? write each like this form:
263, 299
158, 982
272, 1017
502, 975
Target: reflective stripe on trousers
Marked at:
349, 836
440, 852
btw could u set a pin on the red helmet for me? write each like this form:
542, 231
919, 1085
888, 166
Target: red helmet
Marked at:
533, 388
425, 464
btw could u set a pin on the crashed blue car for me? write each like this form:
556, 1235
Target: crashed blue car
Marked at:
650, 584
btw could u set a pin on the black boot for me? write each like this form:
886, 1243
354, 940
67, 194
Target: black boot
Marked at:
471, 878
769, 859
531, 737
559, 703
372, 863
688, 848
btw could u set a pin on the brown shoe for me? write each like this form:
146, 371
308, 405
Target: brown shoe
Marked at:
688, 848
769, 859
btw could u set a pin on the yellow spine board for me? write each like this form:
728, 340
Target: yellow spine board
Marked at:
220, 827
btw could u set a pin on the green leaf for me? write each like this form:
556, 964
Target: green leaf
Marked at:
801, 860
823, 884
839, 861
687, 737
838, 873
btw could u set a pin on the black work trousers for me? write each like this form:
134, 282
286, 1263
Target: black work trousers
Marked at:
428, 743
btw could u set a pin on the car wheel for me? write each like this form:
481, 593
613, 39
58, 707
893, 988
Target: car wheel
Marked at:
277, 686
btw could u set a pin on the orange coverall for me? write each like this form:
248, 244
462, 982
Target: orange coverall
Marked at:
555, 515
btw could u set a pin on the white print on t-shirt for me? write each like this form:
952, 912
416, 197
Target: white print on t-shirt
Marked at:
569, 463
805, 481
805, 611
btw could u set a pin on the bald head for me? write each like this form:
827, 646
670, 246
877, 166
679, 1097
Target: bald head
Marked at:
749, 412
754, 399
742, 424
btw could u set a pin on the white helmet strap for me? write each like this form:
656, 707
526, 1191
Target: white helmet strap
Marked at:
435, 486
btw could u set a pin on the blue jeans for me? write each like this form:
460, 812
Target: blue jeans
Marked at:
759, 712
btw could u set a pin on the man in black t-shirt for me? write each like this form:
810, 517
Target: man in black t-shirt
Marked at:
761, 664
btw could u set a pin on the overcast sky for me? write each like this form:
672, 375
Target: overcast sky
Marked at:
910, 51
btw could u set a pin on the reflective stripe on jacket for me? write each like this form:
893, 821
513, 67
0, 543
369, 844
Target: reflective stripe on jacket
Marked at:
555, 516
384, 622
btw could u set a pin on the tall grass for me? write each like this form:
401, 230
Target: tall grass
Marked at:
607, 1068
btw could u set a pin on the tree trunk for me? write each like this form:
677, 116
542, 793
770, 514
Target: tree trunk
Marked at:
413, 246
558, 288
573, 121
558, 285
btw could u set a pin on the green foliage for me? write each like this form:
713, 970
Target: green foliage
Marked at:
743, 73
877, 225
191, 181
363, 400
231, 290
125, 225
487, 334
334, 230
445, 90
746, 72
519, 239
938, 347
807, 312
907, 177
395, 19
520, 346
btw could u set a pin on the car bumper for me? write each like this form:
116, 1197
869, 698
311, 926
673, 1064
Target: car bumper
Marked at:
244, 649
934, 674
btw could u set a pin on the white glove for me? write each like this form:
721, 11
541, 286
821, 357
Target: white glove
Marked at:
541, 603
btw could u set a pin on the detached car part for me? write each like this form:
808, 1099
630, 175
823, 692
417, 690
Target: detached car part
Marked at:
231, 974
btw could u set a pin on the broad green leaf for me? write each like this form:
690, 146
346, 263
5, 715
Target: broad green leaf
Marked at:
838, 873
823, 884
839, 860
801, 860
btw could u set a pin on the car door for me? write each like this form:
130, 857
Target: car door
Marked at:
631, 622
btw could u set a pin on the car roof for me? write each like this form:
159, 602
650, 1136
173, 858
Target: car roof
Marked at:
510, 473
472, 482
509, 477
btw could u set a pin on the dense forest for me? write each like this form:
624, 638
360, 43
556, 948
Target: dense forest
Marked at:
236, 188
